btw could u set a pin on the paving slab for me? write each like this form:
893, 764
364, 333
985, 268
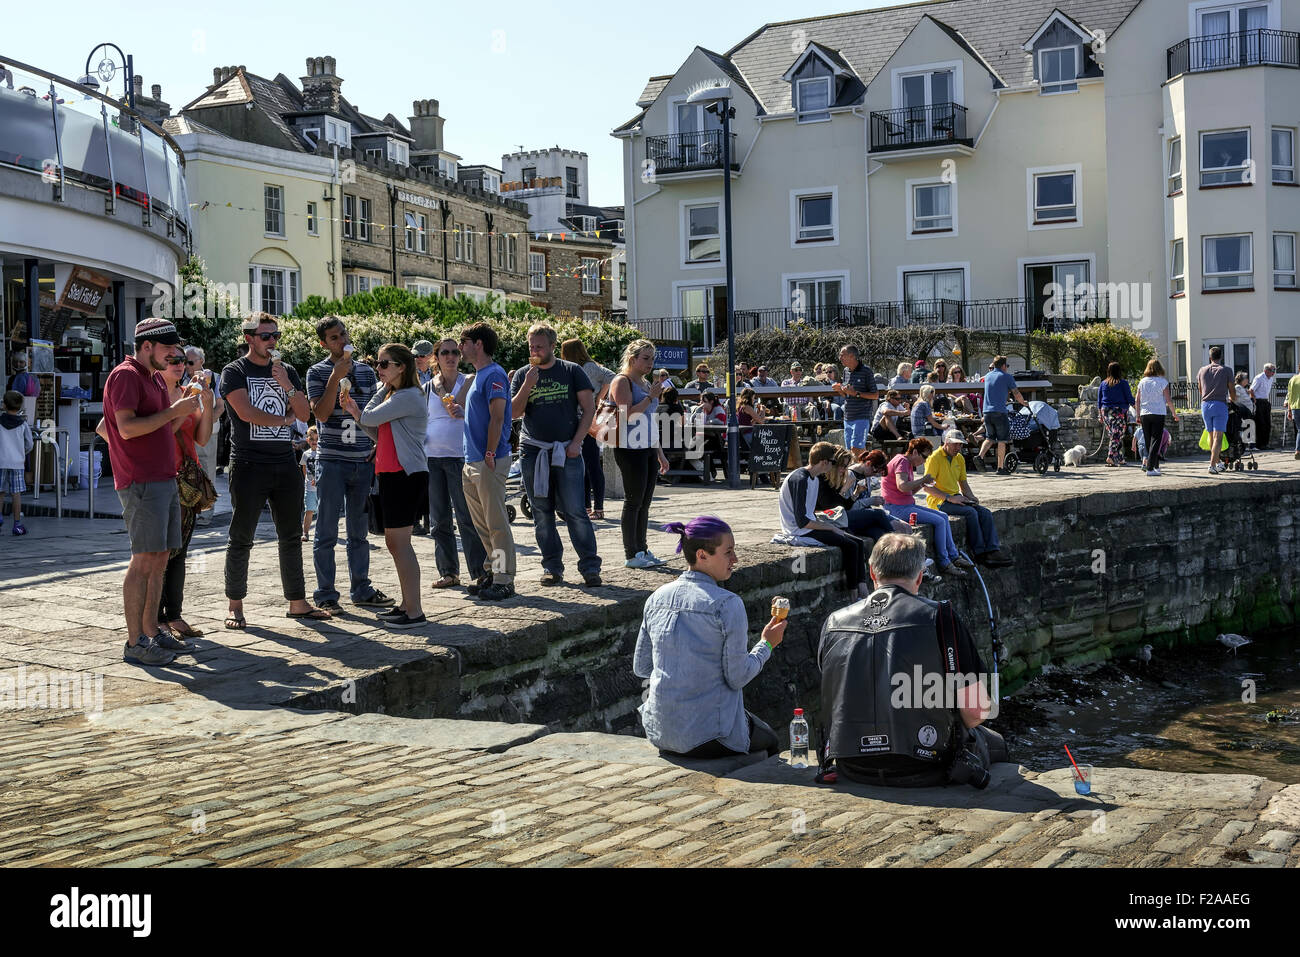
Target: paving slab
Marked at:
449, 733
625, 749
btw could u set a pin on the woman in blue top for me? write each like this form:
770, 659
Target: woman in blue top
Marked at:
692, 648
1112, 408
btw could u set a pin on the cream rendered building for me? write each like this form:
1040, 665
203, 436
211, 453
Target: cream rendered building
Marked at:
262, 217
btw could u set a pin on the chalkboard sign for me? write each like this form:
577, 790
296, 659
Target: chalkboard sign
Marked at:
769, 448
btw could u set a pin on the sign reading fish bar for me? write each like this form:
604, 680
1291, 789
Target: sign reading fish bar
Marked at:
84, 291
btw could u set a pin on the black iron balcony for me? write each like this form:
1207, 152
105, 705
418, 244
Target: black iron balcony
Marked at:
913, 127
1231, 51
688, 152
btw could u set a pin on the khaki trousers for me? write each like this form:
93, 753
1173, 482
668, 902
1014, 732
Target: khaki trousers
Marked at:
485, 493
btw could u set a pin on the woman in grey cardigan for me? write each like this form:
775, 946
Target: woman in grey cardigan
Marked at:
395, 418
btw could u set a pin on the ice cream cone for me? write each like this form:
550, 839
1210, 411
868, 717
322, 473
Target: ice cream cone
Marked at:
780, 608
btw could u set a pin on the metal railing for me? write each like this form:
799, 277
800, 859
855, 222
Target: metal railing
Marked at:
70, 133
50, 437
914, 126
684, 152
1230, 51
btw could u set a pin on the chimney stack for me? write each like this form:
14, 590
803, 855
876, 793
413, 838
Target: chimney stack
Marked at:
156, 91
426, 126
320, 87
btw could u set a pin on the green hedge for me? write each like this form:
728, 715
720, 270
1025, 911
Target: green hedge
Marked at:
881, 347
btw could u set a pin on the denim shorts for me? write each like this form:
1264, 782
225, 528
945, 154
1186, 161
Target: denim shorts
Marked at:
857, 433
1215, 414
997, 426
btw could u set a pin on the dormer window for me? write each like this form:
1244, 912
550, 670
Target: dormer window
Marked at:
813, 99
338, 132
1058, 69
399, 152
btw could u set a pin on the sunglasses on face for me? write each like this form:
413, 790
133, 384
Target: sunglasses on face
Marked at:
449, 352
385, 363
267, 336
175, 360
191, 362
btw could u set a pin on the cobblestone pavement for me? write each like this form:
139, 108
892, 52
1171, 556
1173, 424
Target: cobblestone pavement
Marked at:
195, 766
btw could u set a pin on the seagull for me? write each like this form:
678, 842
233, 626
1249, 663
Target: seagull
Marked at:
1234, 641
1144, 655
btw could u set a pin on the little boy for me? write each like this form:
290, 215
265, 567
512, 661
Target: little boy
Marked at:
15, 442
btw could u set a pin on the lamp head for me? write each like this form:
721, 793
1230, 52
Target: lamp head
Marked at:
709, 93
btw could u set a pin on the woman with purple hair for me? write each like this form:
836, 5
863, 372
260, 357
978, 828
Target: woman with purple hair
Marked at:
692, 647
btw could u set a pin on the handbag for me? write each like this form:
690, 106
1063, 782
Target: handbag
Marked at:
196, 490
605, 427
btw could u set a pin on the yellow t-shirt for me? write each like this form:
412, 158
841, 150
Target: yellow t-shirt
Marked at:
948, 474
1293, 392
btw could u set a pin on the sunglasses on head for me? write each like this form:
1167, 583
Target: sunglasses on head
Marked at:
449, 352
266, 336
385, 363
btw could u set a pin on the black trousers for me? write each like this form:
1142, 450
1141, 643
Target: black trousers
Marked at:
251, 487
1263, 422
1153, 425
223, 439
853, 551
640, 468
173, 591
761, 738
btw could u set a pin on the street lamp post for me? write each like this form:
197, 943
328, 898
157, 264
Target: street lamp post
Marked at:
718, 99
106, 69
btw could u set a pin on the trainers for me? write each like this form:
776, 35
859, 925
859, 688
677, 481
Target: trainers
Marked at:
497, 592
592, 581
1002, 471
391, 613
377, 599
552, 578
331, 605
20, 528
405, 621
478, 585
654, 559
640, 560
145, 653
169, 642
1156, 471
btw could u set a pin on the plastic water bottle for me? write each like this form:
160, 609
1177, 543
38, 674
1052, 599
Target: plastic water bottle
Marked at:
798, 740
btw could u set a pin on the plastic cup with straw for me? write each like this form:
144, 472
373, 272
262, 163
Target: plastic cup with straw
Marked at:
1083, 780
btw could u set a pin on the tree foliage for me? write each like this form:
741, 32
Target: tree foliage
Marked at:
1093, 347
206, 316
880, 347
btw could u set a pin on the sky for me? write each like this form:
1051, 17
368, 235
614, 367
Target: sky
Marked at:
532, 74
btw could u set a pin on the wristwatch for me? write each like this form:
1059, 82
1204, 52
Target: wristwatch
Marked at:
291, 393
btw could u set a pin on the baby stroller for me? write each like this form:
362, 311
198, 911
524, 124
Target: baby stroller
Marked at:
1035, 438
1238, 455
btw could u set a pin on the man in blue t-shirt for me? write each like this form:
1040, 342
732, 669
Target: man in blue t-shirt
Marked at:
487, 462
999, 384
345, 468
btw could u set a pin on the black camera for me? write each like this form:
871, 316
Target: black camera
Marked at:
968, 768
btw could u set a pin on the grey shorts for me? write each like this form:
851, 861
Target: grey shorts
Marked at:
152, 513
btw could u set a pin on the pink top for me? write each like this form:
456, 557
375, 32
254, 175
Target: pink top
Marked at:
897, 466
386, 451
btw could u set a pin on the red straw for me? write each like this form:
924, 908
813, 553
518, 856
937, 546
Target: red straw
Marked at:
1071, 757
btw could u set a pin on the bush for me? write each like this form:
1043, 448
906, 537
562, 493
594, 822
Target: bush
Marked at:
880, 347
210, 320
1095, 346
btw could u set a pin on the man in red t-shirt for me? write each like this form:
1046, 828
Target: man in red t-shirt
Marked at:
142, 449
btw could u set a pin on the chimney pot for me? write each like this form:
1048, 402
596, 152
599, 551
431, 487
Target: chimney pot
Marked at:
156, 91
216, 75
329, 65
139, 83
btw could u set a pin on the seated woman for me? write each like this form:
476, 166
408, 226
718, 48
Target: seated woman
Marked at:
1243, 400
891, 417
749, 412
966, 403
711, 412
899, 489
801, 524
924, 421
691, 647
847, 485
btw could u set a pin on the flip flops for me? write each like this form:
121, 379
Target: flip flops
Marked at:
314, 614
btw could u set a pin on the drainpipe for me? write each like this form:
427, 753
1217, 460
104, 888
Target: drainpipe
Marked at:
392, 228
334, 227
445, 208
490, 237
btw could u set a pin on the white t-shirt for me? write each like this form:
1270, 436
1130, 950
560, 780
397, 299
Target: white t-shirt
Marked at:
1151, 393
444, 437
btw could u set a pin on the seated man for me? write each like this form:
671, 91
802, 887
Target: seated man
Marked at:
951, 494
903, 685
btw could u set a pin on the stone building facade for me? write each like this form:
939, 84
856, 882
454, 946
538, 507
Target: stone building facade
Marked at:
571, 277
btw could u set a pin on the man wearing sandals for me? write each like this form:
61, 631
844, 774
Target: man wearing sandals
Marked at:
265, 398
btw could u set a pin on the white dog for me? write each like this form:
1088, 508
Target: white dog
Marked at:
1075, 456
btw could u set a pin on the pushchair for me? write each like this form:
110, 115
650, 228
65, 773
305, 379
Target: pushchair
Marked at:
1238, 455
1035, 430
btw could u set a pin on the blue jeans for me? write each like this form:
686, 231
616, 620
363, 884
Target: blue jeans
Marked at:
981, 533
447, 493
342, 486
944, 546
565, 497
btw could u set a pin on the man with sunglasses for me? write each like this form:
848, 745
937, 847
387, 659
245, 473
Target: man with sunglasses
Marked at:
138, 419
345, 468
265, 399
424, 361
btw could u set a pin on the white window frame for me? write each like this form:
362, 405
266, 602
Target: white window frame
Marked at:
336, 131
591, 315
424, 287
814, 116
899, 73
458, 240
501, 250
1287, 171
934, 267
812, 192
1063, 259
673, 127
1060, 86
349, 216
1177, 277
1241, 171
1287, 276
590, 276
912, 231
788, 278
1171, 174
491, 183
422, 236
684, 235
363, 219
1249, 273
399, 152
536, 272
512, 251
1031, 176
314, 132
291, 282
313, 224
1295, 353
349, 284
471, 244
270, 190
374, 153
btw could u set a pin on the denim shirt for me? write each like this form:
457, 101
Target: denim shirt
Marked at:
692, 648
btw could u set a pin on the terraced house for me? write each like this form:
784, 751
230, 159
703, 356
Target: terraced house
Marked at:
325, 199
983, 162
